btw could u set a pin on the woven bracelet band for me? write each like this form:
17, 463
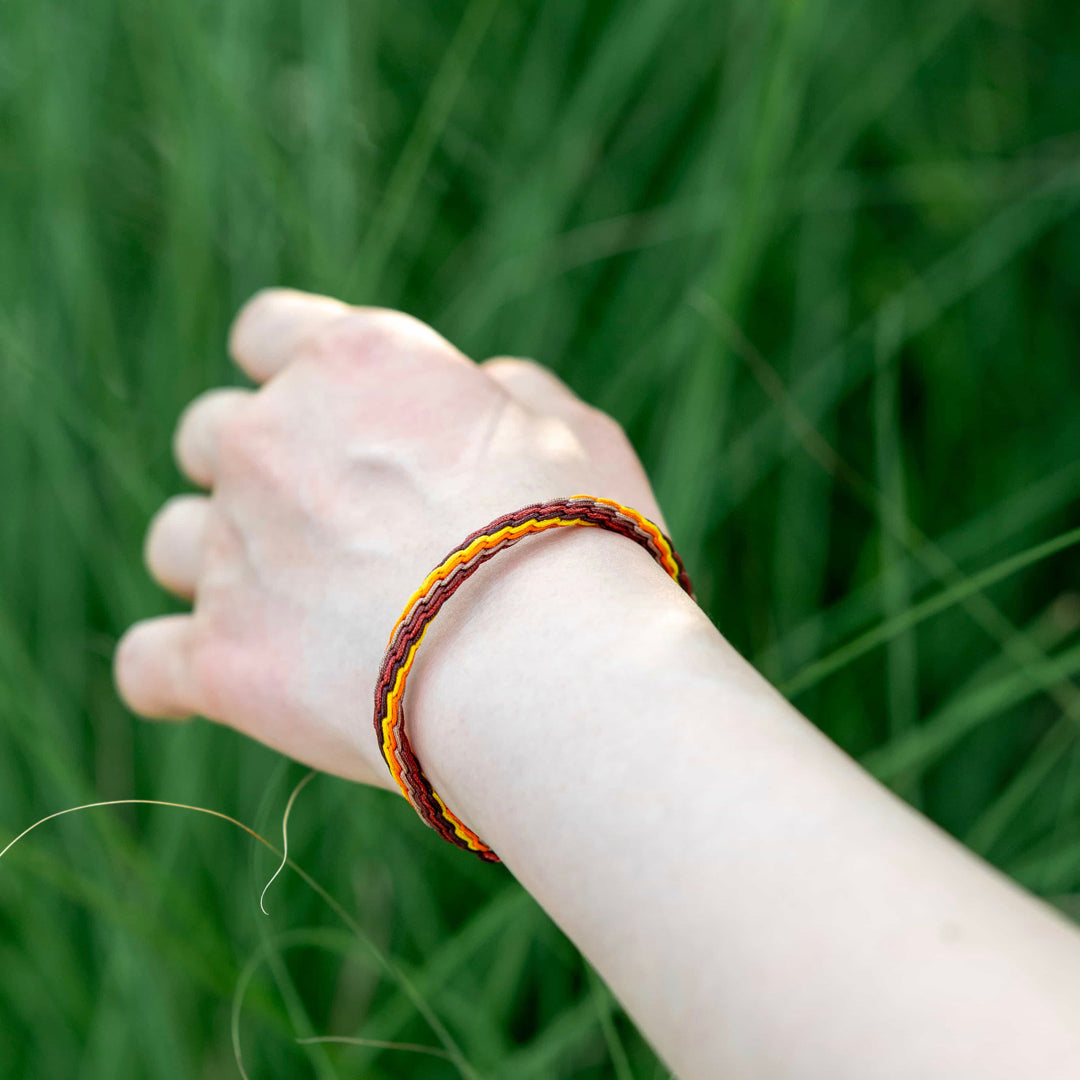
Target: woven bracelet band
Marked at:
438, 587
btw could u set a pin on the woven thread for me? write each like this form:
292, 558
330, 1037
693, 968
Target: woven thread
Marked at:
458, 566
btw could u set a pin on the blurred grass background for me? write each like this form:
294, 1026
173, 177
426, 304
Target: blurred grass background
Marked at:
821, 259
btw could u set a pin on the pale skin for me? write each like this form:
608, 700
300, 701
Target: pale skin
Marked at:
761, 906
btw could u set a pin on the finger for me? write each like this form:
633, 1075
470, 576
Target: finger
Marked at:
174, 543
274, 323
534, 386
152, 668
195, 444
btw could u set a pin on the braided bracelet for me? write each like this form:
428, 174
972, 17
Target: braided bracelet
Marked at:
438, 587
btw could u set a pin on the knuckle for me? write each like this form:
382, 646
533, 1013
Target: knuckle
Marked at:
205, 665
607, 425
512, 365
222, 544
355, 336
536, 386
375, 335
245, 441
218, 669
523, 371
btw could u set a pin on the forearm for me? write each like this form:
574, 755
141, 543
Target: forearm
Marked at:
761, 905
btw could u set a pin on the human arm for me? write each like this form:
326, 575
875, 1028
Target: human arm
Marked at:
761, 906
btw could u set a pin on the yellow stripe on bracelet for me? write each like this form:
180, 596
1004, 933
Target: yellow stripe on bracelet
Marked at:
438, 587
444, 569
670, 561
390, 745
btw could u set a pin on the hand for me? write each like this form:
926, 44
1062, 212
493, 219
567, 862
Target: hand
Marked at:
370, 450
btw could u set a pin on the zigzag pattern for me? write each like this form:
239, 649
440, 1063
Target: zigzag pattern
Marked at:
458, 566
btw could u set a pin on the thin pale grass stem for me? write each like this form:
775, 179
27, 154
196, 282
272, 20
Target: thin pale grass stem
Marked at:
453, 1050
139, 802
377, 1044
284, 838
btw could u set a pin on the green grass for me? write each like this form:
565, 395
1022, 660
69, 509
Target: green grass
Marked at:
821, 260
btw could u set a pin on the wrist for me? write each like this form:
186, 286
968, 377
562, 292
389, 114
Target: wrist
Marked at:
546, 640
